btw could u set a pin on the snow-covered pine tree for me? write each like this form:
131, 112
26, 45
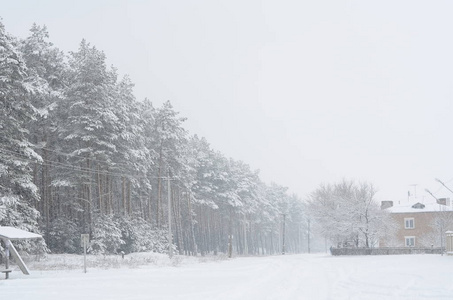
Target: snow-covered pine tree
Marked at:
89, 126
146, 115
132, 157
171, 139
17, 191
45, 64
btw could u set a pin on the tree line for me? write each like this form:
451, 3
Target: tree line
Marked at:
80, 154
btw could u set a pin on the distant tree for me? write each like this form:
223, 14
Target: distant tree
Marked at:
274, 205
146, 114
347, 213
298, 232
203, 186
170, 138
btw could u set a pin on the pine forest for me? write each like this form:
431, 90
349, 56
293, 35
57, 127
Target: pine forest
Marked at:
80, 154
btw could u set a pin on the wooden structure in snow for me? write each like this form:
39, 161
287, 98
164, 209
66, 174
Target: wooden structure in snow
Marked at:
8, 234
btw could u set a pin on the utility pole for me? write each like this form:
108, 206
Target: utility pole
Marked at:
246, 250
170, 240
283, 235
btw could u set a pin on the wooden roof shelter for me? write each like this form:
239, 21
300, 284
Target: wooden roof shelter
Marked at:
8, 234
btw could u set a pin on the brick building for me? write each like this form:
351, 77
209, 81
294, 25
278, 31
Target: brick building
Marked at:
419, 224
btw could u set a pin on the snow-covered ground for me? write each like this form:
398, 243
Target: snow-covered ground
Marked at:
307, 276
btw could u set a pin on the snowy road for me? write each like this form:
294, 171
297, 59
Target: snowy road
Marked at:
278, 277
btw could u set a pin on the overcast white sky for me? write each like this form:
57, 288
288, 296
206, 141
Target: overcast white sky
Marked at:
306, 91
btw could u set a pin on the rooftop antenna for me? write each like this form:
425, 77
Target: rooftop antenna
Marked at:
438, 180
415, 189
428, 191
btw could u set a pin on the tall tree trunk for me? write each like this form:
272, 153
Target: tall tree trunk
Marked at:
159, 189
108, 202
50, 202
201, 230
45, 190
230, 234
245, 236
129, 203
99, 189
35, 181
175, 218
140, 204
123, 194
272, 244
89, 197
111, 203
191, 221
150, 216
178, 221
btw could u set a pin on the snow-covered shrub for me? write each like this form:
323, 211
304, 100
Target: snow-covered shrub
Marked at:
130, 235
63, 236
107, 236
139, 236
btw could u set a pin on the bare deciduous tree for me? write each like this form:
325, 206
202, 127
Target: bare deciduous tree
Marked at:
347, 213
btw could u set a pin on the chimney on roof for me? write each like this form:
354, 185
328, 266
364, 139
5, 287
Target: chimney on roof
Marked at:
386, 204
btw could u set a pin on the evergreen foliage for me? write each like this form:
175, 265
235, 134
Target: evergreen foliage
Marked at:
79, 154
18, 193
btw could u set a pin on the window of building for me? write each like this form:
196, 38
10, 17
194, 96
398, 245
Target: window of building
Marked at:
410, 241
409, 223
